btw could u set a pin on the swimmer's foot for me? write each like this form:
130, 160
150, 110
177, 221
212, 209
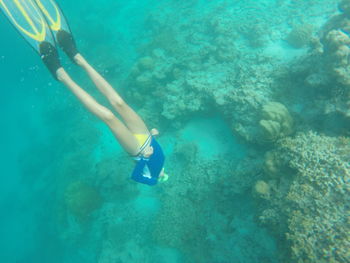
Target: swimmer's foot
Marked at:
66, 42
50, 57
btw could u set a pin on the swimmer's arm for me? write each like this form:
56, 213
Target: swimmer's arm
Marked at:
149, 150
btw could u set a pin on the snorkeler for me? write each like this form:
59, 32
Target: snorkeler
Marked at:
42, 24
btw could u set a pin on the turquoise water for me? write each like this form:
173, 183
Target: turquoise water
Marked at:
251, 99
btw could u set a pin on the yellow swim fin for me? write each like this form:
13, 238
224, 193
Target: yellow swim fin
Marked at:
27, 18
59, 26
42, 24
54, 15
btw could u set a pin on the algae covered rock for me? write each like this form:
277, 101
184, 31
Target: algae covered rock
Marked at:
81, 199
276, 121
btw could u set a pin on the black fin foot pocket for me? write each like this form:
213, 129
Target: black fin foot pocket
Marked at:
66, 42
50, 57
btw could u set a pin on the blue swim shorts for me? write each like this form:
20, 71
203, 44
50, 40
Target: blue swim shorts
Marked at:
147, 170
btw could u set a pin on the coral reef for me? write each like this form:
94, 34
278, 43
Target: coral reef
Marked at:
325, 69
213, 73
184, 220
314, 203
187, 203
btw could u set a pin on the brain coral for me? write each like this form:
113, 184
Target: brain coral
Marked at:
276, 121
300, 36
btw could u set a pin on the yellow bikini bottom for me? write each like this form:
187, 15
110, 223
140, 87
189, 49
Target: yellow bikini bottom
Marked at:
141, 138
144, 140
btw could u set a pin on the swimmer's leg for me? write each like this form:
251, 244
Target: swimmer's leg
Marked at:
122, 133
130, 117
132, 120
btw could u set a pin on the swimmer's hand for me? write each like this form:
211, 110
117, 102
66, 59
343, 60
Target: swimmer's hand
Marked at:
148, 152
154, 132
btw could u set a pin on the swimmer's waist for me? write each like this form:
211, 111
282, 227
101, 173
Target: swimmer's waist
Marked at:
144, 141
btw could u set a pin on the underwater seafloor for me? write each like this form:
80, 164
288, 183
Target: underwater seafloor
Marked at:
252, 100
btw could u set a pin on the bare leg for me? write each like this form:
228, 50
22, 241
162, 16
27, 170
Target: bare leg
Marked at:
122, 133
132, 120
